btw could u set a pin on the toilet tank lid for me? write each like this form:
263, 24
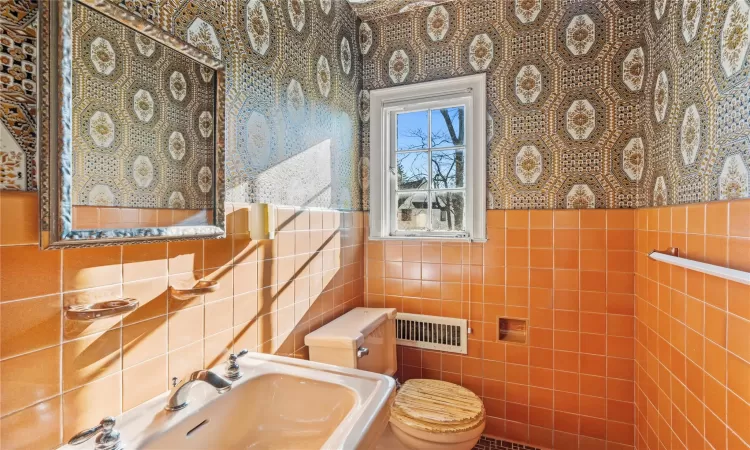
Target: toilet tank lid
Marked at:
349, 330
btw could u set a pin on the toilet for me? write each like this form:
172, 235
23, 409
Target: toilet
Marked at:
425, 414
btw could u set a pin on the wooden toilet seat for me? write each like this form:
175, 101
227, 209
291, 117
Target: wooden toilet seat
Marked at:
437, 407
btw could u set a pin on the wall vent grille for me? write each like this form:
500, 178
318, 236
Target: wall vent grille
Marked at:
431, 332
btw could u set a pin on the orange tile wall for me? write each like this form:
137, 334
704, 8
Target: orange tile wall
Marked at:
693, 330
58, 377
571, 274
623, 351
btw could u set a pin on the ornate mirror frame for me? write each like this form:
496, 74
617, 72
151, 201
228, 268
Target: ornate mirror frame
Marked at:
54, 125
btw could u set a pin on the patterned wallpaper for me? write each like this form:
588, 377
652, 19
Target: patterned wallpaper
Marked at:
595, 103
592, 104
143, 124
697, 101
292, 83
18, 95
564, 81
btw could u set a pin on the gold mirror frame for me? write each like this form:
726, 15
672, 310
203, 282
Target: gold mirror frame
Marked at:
54, 125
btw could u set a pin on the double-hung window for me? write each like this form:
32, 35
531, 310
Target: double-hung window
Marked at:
427, 160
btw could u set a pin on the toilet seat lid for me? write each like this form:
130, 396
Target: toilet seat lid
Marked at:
437, 406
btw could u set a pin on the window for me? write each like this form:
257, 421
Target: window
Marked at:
427, 160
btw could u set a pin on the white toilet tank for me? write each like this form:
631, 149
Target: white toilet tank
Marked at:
363, 338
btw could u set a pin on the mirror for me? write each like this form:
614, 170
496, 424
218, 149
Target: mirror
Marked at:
131, 123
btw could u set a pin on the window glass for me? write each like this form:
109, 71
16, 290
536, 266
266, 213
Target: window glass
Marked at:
412, 170
430, 158
412, 129
412, 211
447, 127
447, 169
447, 211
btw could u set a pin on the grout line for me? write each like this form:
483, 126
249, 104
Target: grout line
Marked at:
121, 323
62, 339
36, 402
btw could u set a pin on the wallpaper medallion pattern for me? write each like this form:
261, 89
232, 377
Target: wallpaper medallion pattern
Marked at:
259, 28
734, 37
580, 35
527, 10
697, 137
293, 69
438, 23
528, 164
398, 66
633, 69
528, 84
132, 95
563, 133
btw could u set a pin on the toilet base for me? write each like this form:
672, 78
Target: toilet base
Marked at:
394, 438
389, 441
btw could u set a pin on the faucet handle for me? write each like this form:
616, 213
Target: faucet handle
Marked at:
109, 439
233, 357
232, 371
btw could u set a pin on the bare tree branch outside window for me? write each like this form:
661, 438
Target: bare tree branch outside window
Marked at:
447, 132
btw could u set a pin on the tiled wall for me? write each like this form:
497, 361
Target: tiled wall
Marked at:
693, 330
571, 273
58, 377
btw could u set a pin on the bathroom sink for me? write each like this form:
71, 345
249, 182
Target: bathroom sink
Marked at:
279, 403
269, 411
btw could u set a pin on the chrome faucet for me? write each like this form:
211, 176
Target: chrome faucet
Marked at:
108, 438
178, 397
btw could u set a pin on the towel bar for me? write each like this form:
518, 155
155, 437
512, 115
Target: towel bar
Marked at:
670, 256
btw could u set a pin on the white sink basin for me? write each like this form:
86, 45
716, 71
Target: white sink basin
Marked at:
269, 411
280, 403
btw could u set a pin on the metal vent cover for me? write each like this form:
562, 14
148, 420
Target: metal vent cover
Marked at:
431, 332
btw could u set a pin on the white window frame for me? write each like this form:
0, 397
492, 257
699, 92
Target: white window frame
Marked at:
384, 104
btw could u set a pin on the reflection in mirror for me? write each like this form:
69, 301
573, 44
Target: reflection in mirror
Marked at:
97, 217
131, 130
142, 129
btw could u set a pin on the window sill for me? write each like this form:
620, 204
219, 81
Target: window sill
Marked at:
426, 238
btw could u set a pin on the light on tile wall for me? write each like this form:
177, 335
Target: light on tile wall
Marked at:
262, 221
